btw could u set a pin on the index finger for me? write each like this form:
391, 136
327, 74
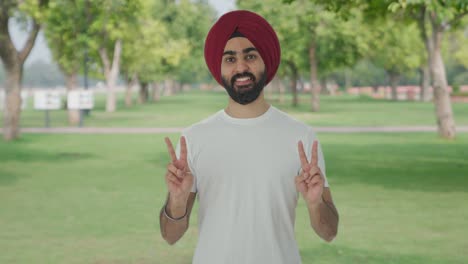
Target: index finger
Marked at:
170, 148
302, 154
183, 150
314, 159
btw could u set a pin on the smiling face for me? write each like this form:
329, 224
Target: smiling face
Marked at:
242, 70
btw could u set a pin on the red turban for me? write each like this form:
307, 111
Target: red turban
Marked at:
255, 28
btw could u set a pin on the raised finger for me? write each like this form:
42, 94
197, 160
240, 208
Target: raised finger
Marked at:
314, 159
183, 150
302, 155
170, 149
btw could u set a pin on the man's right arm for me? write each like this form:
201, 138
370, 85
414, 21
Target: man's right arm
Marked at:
174, 218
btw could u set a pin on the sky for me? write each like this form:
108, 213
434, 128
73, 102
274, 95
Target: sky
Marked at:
42, 52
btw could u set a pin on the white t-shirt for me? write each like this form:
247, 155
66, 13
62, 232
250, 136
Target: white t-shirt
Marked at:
244, 171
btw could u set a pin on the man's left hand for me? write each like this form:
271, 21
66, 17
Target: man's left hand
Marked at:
310, 181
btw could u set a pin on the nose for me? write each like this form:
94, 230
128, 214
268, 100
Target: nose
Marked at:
241, 66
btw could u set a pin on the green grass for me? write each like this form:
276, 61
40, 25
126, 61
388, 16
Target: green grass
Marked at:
96, 198
185, 109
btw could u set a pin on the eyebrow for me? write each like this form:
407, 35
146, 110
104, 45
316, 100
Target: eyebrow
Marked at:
245, 51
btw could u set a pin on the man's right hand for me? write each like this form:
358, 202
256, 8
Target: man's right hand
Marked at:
179, 179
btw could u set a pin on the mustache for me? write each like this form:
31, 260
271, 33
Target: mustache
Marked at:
241, 75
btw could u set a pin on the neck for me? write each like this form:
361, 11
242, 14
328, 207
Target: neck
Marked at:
254, 109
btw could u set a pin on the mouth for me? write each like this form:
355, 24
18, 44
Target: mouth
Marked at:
243, 82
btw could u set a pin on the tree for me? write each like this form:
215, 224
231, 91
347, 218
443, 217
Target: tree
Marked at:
442, 16
13, 59
157, 51
312, 37
193, 20
109, 24
291, 37
188, 22
65, 30
396, 48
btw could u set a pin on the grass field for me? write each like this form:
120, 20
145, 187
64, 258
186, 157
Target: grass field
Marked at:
95, 198
184, 109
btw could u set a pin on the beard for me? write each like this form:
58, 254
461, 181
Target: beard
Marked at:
245, 94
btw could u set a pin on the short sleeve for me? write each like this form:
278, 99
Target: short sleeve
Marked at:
189, 160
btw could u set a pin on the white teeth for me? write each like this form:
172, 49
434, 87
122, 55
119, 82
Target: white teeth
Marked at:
243, 79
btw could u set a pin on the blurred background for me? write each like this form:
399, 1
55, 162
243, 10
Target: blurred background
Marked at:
90, 88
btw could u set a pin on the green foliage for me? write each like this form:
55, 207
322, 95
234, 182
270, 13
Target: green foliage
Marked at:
443, 12
34, 9
365, 73
189, 22
396, 47
339, 43
66, 34
76, 27
170, 41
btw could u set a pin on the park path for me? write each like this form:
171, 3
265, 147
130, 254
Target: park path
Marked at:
166, 130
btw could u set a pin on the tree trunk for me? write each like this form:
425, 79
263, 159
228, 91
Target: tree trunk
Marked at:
348, 80
394, 78
13, 61
111, 72
131, 82
144, 93
426, 71
425, 83
71, 82
156, 92
315, 88
443, 105
12, 110
294, 77
282, 91
168, 87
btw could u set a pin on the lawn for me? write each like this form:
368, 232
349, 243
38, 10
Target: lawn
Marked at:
184, 109
96, 198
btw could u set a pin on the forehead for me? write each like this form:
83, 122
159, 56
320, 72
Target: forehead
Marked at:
238, 44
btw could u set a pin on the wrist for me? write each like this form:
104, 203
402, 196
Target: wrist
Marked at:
176, 207
315, 204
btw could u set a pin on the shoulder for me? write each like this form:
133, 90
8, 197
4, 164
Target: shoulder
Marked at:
202, 127
292, 123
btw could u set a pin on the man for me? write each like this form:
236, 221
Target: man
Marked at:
247, 162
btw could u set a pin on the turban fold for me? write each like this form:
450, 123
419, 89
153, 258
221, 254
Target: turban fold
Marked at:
255, 28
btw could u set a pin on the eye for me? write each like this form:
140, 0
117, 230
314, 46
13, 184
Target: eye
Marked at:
230, 59
250, 57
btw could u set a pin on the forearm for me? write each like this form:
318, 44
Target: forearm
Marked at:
324, 219
174, 220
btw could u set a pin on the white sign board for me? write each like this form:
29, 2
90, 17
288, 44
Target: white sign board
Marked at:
47, 100
80, 99
24, 100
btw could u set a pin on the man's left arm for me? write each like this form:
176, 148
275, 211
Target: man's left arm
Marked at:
311, 184
324, 216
